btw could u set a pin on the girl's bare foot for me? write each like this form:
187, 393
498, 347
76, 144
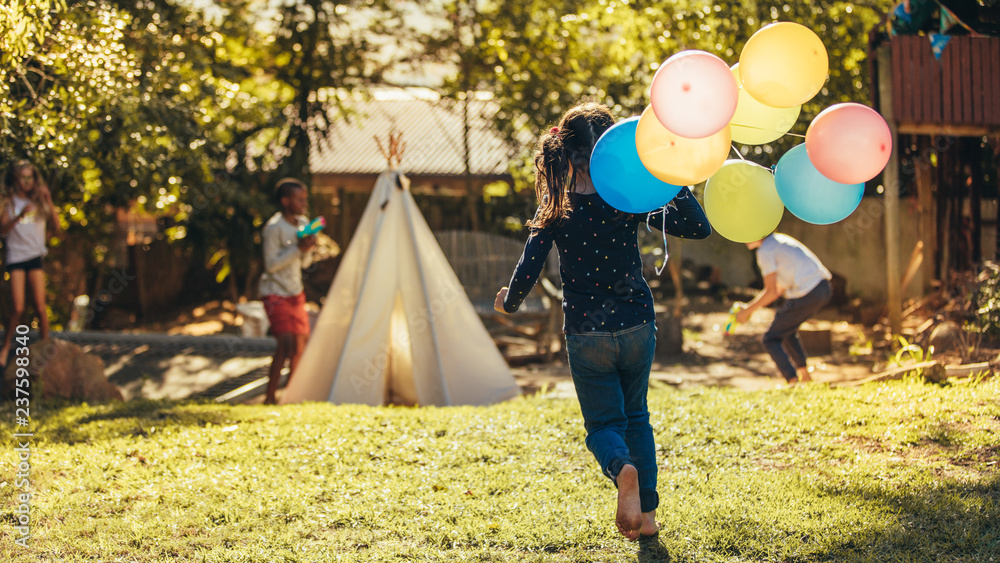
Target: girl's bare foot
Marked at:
629, 515
649, 525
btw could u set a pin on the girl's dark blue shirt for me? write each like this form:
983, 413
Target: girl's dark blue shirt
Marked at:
599, 263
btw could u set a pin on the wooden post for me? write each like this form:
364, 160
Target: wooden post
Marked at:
976, 197
890, 179
928, 214
345, 218
142, 291
944, 218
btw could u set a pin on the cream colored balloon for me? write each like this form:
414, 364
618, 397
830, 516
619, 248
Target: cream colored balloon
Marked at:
755, 123
678, 160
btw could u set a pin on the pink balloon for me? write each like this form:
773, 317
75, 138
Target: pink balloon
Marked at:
849, 143
694, 94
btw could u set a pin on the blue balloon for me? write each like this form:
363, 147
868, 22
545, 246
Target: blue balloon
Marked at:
619, 175
810, 195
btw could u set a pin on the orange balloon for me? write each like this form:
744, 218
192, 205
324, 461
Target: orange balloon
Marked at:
678, 160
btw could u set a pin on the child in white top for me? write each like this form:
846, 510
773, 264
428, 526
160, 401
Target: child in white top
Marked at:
791, 271
281, 290
26, 216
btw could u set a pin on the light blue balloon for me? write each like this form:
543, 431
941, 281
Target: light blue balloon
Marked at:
619, 175
810, 195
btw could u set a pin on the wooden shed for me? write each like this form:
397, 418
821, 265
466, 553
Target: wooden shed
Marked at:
944, 112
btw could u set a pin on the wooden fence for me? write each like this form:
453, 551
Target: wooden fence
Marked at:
961, 88
484, 262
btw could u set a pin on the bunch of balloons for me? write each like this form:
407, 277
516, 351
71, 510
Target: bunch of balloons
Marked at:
700, 105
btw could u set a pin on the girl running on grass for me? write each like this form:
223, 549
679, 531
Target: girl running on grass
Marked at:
27, 217
609, 320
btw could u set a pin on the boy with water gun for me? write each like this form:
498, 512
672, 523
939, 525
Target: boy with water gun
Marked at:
289, 237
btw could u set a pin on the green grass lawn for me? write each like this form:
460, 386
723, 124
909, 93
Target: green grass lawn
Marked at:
894, 472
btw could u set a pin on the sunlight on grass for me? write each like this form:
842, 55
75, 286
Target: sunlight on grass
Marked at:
894, 472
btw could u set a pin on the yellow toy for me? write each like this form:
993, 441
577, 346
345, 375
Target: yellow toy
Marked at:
733, 310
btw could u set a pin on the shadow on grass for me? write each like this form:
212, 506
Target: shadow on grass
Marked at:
946, 519
70, 422
652, 550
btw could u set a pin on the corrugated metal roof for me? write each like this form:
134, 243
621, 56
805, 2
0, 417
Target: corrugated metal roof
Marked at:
431, 132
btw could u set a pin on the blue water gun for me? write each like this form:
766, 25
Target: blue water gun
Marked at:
314, 226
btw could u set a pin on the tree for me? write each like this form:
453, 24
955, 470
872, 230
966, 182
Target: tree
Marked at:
319, 47
131, 105
150, 105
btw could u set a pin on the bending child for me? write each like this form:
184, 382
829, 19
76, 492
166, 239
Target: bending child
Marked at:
793, 271
609, 325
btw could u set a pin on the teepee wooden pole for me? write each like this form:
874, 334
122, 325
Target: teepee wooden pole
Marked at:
393, 149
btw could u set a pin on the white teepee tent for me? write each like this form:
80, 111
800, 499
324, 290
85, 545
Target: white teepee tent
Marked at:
397, 327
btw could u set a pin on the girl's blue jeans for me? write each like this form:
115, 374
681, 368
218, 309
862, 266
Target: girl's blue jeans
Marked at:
611, 374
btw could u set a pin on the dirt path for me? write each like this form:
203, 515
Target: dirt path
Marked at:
739, 360
709, 357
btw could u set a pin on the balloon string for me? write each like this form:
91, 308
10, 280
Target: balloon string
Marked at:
737, 151
666, 255
754, 127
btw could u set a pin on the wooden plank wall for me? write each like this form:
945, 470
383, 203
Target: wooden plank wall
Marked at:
960, 88
159, 269
483, 262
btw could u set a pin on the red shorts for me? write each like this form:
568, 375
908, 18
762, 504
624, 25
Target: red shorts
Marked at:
287, 314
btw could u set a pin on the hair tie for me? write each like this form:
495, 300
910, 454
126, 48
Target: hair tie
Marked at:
553, 131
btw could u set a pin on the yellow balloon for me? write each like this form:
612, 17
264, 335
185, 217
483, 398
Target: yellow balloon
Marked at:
678, 160
741, 201
783, 65
755, 123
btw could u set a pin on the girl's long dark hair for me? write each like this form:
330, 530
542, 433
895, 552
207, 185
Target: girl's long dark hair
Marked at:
571, 143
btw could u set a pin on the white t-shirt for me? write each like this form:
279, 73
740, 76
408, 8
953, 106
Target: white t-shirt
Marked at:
799, 270
26, 241
283, 261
